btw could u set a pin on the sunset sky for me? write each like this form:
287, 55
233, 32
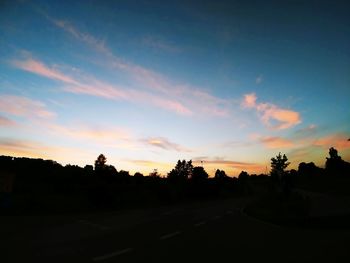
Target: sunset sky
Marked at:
146, 83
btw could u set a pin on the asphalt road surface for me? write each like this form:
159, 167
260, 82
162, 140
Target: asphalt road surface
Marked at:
203, 232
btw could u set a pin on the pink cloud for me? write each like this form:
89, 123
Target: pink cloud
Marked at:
249, 101
174, 106
152, 164
339, 141
285, 118
6, 122
111, 134
94, 87
117, 93
184, 100
276, 142
25, 107
99, 89
95, 43
37, 67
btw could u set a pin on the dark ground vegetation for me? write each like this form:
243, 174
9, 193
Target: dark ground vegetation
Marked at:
36, 186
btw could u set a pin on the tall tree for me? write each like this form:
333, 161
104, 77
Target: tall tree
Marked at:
100, 162
278, 165
335, 165
199, 174
182, 171
220, 174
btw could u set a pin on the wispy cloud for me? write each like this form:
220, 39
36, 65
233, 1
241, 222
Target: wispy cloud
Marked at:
164, 143
249, 101
6, 122
338, 140
37, 67
113, 92
93, 42
182, 98
259, 79
89, 85
24, 107
97, 134
285, 118
21, 146
306, 132
151, 164
276, 142
160, 44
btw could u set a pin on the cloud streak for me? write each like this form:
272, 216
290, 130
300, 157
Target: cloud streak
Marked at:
6, 122
269, 112
339, 141
163, 143
159, 44
39, 68
89, 85
185, 99
105, 135
24, 107
259, 79
273, 142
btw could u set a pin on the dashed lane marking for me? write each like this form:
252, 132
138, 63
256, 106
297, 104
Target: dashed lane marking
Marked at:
167, 236
113, 254
199, 224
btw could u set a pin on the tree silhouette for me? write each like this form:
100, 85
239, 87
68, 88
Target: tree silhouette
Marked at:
220, 174
124, 174
309, 169
182, 171
335, 165
138, 174
333, 153
278, 164
243, 176
154, 173
199, 174
100, 162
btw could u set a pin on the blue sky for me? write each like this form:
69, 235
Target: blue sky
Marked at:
148, 83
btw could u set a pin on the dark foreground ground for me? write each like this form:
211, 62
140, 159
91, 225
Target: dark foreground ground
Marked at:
217, 231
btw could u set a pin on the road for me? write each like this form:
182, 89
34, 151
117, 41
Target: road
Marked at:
203, 232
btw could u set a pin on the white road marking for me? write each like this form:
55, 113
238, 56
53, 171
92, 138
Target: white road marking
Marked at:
229, 212
114, 254
101, 227
170, 235
216, 217
200, 223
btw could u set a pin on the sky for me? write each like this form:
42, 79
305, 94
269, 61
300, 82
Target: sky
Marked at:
227, 84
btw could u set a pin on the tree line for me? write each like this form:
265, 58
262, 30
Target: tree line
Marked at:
45, 185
